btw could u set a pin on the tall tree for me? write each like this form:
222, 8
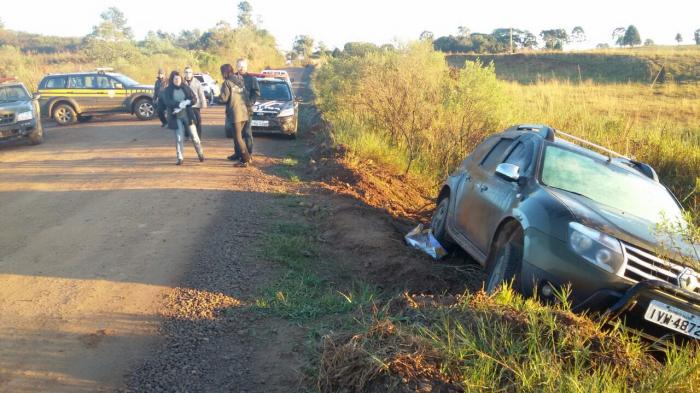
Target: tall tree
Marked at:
521, 38
113, 27
632, 37
618, 36
679, 38
577, 34
648, 42
554, 38
697, 37
245, 14
463, 31
427, 36
303, 44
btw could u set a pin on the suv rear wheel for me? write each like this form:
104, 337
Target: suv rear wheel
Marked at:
438, 224
505, 262
143, 108
64, 114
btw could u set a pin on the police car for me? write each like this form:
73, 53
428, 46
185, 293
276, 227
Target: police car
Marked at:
68, 98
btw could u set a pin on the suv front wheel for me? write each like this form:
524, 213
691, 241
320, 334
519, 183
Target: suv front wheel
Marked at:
143, 108
64, 114
505, 262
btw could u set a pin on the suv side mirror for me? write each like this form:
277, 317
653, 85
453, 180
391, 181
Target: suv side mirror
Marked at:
36, 96
508, 172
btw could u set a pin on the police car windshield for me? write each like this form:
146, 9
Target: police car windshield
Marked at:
125, 80
13, 93
277, 91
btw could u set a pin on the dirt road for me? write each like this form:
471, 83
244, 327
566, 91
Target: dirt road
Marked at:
98, 225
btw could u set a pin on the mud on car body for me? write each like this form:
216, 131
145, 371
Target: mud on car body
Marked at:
19, 113
276, 109
546, 213
68, 98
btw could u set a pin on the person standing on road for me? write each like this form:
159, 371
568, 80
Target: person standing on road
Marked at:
253, 92
201, 103
158, 88
233, 95
179, 99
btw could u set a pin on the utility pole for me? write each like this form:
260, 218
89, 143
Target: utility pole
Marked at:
511, 40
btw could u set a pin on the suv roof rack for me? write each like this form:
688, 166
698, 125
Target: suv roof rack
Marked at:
549, 133
610, 153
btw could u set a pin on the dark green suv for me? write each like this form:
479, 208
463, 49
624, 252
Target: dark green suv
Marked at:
544, 213
68, 98
19, 113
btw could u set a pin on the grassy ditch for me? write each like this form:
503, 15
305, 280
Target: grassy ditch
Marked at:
499, 343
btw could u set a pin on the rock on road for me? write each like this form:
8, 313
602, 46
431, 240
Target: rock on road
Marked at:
97, 223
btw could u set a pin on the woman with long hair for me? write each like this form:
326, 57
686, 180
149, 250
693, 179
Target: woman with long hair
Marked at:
179, 99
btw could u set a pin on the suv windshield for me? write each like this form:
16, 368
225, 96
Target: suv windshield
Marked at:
125, 80
13, 93
609, 185
278, 91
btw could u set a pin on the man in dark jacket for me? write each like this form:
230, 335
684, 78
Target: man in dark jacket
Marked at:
158, 88
252, 93
234, 96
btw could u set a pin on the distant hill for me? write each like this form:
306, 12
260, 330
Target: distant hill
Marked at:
667, 63
37, 43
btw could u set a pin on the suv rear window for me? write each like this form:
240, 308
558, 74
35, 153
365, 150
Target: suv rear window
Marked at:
58, 82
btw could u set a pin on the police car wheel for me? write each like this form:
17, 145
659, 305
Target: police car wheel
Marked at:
64, 114
144, 109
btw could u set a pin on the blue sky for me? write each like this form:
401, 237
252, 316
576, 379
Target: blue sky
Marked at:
337, 22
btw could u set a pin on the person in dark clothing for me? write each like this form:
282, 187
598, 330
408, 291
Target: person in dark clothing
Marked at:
197, 89
179, 99
234, 96
158, 88
253, 90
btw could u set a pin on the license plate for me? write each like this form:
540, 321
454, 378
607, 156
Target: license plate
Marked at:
260, 123
673, 318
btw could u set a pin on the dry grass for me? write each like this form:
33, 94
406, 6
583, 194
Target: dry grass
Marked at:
499, 343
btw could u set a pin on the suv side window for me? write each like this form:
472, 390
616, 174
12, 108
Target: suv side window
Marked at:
76, 82
104, 82
521, 156
58, 82
495, 155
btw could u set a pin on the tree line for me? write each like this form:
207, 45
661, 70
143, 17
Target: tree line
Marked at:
112, 38
505, 40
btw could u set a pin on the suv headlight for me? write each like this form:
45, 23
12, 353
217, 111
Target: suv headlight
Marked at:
287, 112
597, 248
28, 115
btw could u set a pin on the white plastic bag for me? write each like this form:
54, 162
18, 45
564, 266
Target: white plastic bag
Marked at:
422, 239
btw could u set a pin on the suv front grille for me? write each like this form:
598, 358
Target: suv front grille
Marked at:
7, 118
642, 265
